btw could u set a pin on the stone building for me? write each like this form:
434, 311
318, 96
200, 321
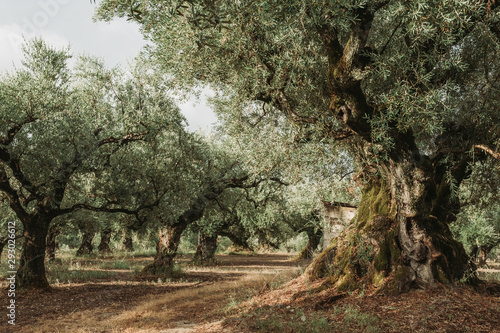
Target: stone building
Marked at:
337, 215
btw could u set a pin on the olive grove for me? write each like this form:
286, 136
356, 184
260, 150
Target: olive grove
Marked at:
408, 88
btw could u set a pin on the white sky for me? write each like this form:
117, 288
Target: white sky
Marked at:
69, 22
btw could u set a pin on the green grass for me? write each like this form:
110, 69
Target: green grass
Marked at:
116, 264
353, 317
67, 271
279, 318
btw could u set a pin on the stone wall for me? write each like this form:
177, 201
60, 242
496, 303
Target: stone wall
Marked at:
337, 216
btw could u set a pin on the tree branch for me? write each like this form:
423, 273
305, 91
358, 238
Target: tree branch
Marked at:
124, 139
488, 150
13, 197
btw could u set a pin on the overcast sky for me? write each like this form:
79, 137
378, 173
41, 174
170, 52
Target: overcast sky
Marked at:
69, 22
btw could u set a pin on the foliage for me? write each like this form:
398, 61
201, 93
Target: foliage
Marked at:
478, 224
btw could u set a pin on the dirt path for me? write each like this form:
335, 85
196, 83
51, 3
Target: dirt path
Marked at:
127, 303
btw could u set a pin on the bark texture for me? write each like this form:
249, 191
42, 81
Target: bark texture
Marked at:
313, 239
52, 244
86, 245
168, 244
3, 243
170, 235
31, 271
205, 251
393, 244
104, 243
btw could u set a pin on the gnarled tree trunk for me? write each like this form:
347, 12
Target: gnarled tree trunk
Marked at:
105, 239
31, 271
170, 237
86, 245
205, 251
313, 239
401, 237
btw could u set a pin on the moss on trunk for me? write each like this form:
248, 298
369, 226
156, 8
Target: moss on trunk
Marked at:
369, 253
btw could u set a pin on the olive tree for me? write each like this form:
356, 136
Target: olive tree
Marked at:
64, 136
410, 86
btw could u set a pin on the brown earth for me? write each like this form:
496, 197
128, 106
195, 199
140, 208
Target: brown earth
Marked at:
127, 302
241, 294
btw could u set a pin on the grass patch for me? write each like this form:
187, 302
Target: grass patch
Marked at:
116, 264
357, 319
67, 272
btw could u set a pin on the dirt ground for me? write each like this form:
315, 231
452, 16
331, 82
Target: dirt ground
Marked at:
245, 294
127, 302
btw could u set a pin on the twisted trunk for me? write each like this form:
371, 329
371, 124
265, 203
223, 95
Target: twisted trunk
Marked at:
170, 235
105, 239
423, 208
166, 250
205, 251
397, 242
31, 271
86, 245
314, 237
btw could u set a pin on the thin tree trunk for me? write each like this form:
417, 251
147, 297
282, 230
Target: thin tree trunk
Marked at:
127, 240
31, 271
205, 251
86, 245
52, 244
484, 250
105, 239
